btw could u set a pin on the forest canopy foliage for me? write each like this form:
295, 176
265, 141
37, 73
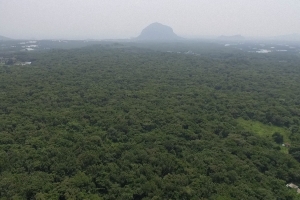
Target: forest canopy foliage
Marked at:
121, 122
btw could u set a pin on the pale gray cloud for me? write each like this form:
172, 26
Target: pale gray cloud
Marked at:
81, 19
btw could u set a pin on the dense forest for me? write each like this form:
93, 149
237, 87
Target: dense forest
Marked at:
121, 122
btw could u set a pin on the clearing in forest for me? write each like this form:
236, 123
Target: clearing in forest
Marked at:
264, 130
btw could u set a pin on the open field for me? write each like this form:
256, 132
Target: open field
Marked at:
264, 130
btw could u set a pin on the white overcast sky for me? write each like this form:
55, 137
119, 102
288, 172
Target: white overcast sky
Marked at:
104, 19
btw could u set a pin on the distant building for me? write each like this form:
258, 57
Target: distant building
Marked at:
26, 63
293, 186
189, 52
287, 145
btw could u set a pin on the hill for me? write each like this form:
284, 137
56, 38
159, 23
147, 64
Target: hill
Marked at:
157, 31
290, 37
233, 37
4, 38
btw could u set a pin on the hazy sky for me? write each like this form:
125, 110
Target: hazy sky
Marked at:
101, 19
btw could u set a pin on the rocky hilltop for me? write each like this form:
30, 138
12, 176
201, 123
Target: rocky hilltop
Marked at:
157, 31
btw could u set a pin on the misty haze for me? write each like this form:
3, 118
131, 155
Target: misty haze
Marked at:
145, 100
